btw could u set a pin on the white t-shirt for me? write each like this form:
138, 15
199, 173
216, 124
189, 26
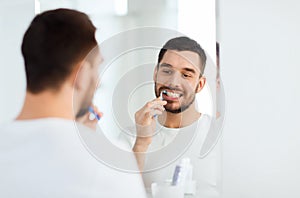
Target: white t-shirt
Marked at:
170, 145
47, 158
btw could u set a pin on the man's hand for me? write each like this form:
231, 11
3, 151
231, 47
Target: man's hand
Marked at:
145, 125
89, 119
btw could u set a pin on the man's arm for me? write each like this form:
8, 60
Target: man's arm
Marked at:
145, 128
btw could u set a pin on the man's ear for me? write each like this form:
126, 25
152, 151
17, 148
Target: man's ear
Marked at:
81, 75
201, 84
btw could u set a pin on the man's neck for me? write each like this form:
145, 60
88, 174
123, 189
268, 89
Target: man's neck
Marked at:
179, 120
47, 104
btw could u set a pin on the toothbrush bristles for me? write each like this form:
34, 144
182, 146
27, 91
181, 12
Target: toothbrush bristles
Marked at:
161, 93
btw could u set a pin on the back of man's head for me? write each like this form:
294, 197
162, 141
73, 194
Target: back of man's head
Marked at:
55, 42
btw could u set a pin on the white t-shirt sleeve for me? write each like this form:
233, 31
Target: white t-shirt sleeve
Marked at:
126, 139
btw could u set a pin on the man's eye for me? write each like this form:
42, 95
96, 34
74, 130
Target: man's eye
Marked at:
167, 71
186, 75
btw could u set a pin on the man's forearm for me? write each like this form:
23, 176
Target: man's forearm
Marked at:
140, 148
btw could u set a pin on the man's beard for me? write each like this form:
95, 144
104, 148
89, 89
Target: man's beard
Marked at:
183, 107
86, 103
82, 111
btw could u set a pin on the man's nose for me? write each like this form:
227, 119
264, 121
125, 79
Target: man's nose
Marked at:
174, 80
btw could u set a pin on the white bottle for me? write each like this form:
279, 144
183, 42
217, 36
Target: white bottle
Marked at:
189, 169
189, 184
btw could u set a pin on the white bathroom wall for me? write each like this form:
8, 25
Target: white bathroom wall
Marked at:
15, 17
197, 20
260, 48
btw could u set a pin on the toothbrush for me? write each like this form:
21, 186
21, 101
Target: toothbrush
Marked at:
94, 113
161, 93
160, 96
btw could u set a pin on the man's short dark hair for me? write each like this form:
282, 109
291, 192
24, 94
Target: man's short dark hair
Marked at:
54, 43
184, 44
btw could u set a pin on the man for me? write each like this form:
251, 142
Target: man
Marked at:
170, 127
41, 153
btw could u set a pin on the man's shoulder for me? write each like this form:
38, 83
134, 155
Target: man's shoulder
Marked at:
19, 128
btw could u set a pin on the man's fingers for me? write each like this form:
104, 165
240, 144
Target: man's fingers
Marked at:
158, 107
155, 112
159, 101
94, 110
97, 111
154, 107
155, 103
149, 110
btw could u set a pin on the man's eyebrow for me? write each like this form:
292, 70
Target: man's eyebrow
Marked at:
165, 65
189, 70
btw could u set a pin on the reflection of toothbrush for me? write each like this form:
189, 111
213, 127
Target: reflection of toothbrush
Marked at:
160, 97
94, 113
161, 93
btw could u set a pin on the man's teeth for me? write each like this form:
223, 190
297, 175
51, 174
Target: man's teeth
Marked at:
173, 95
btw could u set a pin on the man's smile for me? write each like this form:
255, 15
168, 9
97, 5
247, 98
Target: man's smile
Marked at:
171, 95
